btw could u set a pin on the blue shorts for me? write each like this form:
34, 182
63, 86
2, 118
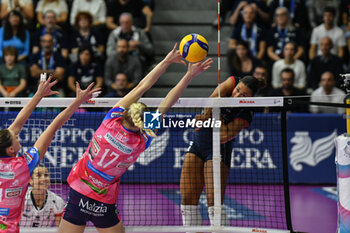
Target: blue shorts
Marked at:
81, 209
202, 147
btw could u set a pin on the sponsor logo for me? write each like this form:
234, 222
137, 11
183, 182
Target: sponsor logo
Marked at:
259, 230
247, 102
28, 157
13, 192
115, 143
93, 208
151, 120
13, 102
308, 152
97, 182
5, 167
121, 136
116, 114
95, 147
92, 102
123, 165
4, 211
15, 183
7, 175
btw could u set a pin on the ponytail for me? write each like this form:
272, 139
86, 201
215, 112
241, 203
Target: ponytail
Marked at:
254, 84
135, 114
5, 141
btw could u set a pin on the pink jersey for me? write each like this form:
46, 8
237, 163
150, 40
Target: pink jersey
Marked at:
15, 173
111, 151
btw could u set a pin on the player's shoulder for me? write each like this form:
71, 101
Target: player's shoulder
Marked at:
116, 112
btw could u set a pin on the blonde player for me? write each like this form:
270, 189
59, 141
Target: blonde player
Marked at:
15, 171
115, 146
42, 207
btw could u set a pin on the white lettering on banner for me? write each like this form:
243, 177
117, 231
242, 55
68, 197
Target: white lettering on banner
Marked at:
191, 123
255, 136
179, 156
247, 157
304, 151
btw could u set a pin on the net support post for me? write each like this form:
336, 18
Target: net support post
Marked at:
216, 169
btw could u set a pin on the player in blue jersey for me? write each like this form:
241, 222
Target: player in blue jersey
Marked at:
197, 169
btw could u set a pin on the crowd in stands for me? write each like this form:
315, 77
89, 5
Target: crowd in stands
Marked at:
108, 42
302, 44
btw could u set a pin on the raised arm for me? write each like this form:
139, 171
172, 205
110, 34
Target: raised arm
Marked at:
45, 138
44, 89
147, 82
194, 69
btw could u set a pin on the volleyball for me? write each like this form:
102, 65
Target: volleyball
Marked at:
194, 47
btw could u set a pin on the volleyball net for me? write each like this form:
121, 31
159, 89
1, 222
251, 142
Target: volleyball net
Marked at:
256, 198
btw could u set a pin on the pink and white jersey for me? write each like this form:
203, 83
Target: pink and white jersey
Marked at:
15, 173
111, 151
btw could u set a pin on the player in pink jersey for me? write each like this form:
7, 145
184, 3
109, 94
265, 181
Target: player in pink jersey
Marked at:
115, 146
15, 171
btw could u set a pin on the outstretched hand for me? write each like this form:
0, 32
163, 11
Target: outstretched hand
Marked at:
174, 56
195, 69
44, 88
88, 93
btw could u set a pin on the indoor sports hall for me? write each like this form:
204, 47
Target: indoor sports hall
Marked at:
270, 159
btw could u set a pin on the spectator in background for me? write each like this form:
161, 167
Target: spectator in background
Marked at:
139, 43
324, 62
15, 34
298, 67
84, 35
84, 71
47, 61
122, 62
59, 7
327, 92
42, 208
345, 20
142, 13
282, 33
297, 11
120, 87
240, 61
288, 89
329, 29
97, 8
317, 8
12, 75
261, 71
24, 6
250, 32
259, 6
50, 27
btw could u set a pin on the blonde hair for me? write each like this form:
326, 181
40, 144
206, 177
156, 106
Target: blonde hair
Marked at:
135, 114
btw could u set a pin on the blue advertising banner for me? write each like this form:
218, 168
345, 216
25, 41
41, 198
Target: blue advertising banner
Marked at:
256, 154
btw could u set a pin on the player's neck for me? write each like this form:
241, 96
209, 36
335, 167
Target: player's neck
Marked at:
129, 126
39, 197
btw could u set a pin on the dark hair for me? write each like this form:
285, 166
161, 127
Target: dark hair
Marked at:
81, 14
21, 30
84, 48
237, 63
254, 84
329, 10
5, 141
10, 50
288, 70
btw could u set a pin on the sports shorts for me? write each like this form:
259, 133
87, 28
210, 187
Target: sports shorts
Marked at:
81, 209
